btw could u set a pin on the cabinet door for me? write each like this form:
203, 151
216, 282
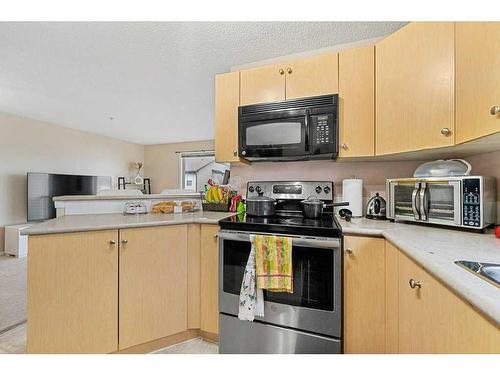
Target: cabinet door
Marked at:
73, 293
364, 295
209, 279
262, 85
432, 319
415, 88
357, 102
227, 100
153, 283
312, 76
477, 87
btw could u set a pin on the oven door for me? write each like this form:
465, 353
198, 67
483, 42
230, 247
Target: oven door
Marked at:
439, 202
273, 135
314, 306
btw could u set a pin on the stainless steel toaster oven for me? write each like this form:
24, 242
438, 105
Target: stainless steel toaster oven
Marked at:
462, 201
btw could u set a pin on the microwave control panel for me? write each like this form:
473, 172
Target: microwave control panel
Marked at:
322, 132
471, 202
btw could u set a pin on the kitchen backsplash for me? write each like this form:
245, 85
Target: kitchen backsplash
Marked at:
373, 173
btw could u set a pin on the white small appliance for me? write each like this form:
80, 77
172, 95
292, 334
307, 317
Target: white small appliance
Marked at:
15, 243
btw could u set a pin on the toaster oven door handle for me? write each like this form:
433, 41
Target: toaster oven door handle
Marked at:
414, 205
423, 201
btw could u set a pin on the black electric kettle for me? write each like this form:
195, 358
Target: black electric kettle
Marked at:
376, 208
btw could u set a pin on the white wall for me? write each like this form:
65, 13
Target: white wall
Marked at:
35, 146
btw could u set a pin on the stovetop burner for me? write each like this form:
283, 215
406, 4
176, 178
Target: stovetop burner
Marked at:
326, 226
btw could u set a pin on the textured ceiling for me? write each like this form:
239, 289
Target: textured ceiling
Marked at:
154, 79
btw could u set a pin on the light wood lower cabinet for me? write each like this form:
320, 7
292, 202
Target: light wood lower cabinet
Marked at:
153, 283
209, 279
364, 295
432, 319
73, 293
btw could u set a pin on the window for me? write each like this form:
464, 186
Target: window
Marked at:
197, 167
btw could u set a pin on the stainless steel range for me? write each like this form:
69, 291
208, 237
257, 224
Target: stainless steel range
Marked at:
309, 320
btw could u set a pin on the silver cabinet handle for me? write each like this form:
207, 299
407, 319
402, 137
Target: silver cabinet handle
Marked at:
495, 110
344, 146
124, 242
415, 284
112, 242
348, 250
446, 132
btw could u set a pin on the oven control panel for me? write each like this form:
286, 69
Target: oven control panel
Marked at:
471, 202
291, 189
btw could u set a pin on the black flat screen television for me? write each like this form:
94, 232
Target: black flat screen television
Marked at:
42, 187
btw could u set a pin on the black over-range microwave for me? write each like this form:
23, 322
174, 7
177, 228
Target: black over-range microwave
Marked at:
298, 129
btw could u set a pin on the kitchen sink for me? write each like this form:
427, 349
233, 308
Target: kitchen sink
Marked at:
487, 271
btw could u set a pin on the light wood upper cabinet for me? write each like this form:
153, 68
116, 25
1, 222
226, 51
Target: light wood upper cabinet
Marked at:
477, 82
432, 319
73, 293
209, 279
263, 84
312, 76
415, 88
153, 283
357, 102
227, 100
364, 295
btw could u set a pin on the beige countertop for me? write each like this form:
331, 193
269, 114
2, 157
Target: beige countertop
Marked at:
436, 250
84, 223
66, 198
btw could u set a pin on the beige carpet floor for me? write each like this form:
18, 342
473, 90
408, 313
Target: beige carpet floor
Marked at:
13, 274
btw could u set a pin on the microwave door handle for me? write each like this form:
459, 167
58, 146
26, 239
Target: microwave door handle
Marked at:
423, 202
414, 205
306, 126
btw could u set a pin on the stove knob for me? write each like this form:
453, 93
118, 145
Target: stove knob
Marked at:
318, 189
258, 189
327, 189
251, 189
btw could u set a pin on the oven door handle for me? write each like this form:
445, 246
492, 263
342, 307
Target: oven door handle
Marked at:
296, 241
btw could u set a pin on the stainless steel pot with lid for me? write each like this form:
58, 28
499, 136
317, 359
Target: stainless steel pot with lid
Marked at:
260, 206
312, 207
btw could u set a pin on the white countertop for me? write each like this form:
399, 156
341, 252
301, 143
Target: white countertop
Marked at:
63, 198
436, 250
85, 223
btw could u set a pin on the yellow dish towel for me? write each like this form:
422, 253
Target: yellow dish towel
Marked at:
273, 263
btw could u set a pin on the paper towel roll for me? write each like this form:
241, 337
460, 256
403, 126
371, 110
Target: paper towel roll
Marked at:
352, 192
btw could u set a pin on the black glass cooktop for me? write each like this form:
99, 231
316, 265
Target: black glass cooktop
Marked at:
326, 226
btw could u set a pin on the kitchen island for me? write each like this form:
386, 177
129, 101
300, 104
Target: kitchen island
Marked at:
121, 283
